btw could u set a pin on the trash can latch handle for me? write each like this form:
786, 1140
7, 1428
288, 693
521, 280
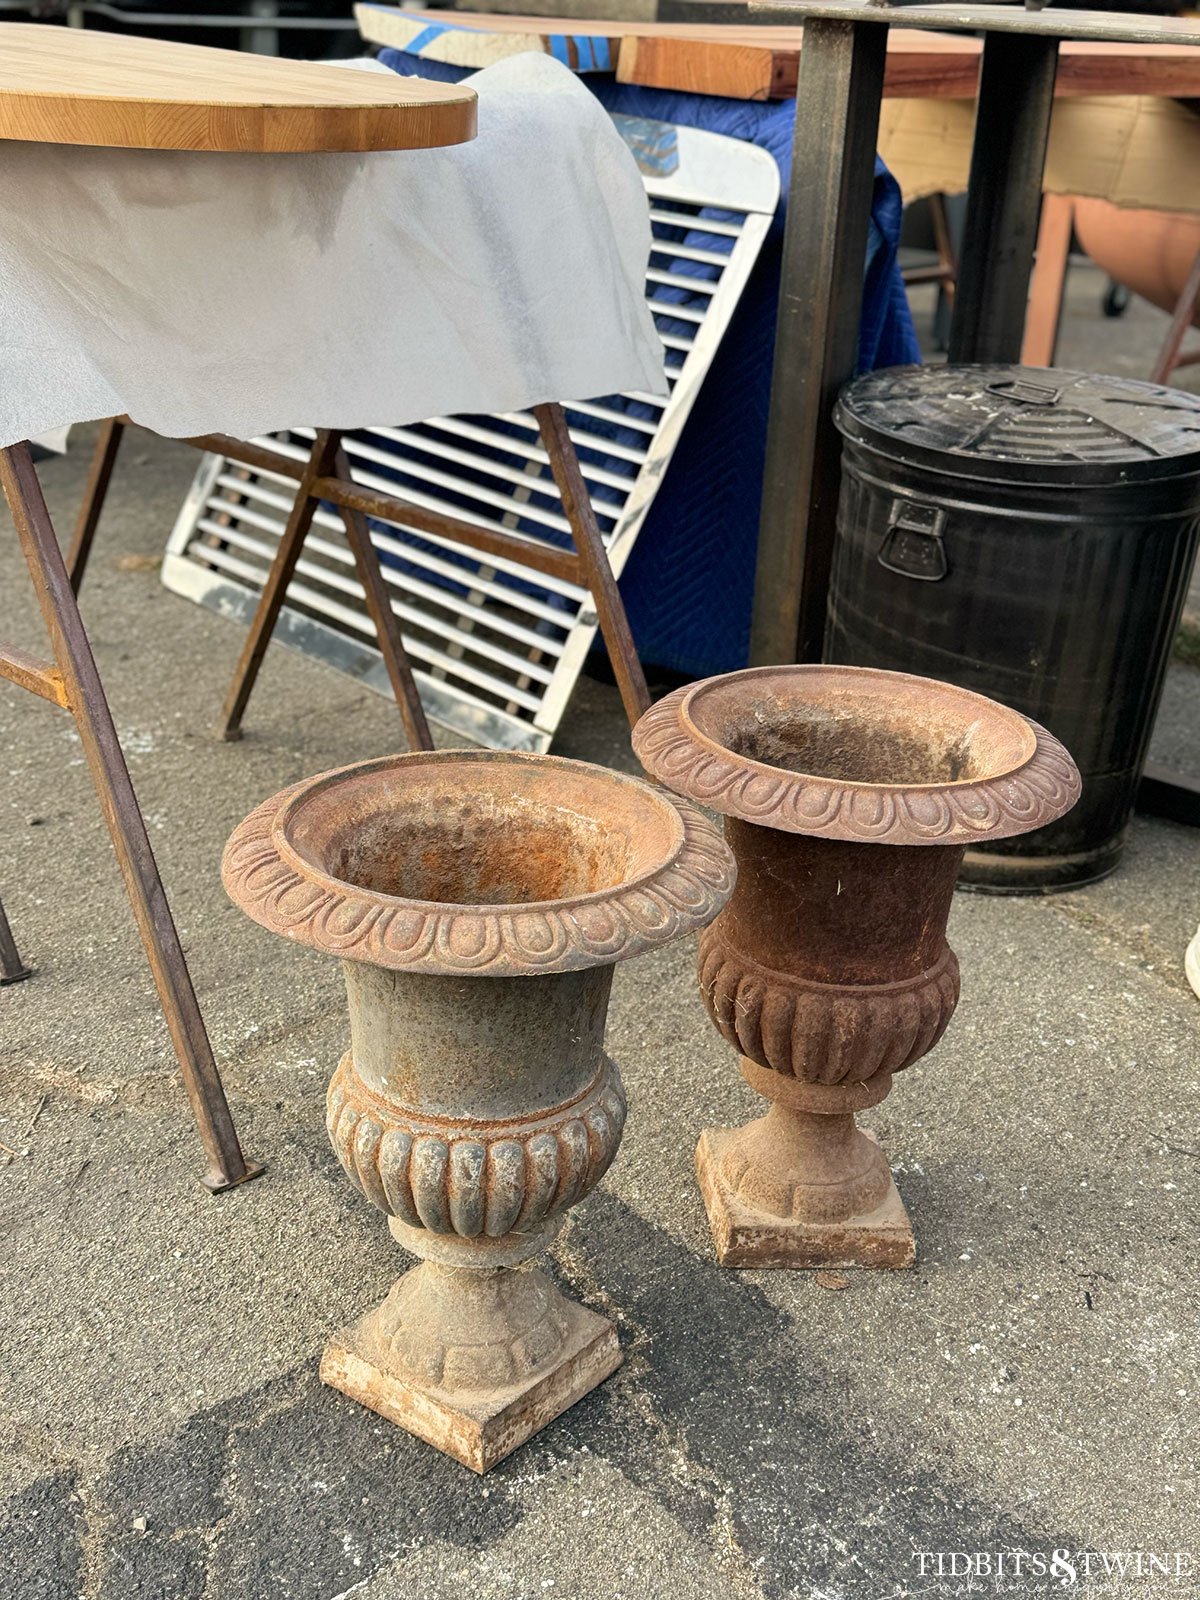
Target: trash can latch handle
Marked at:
913, 545
1027, 390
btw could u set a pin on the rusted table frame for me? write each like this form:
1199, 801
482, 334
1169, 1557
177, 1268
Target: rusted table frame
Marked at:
325, 476
72, 682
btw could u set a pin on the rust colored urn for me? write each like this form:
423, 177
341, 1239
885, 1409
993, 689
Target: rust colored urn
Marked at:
849, 798
479, 901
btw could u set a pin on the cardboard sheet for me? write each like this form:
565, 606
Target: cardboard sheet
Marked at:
1134, 150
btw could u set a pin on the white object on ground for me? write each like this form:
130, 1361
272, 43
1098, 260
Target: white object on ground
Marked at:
208, 292
1191, 962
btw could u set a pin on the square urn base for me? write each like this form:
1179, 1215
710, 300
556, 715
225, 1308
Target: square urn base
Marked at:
480, 1427
745, 1237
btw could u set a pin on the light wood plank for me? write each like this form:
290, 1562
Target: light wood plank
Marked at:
753, 70
439, 36
72, 86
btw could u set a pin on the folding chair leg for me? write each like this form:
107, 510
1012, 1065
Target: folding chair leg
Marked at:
1181, 321
944, 245
104, 459
85, 696
12, 968
1048, 281
379, 607
589, 546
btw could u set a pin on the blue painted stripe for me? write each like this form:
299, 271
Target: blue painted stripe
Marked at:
558, 48
427, 35
602, 55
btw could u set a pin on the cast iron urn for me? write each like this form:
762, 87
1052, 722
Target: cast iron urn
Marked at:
849, 797
479, 901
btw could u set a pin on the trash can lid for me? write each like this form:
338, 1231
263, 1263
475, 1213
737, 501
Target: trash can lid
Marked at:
1024, 424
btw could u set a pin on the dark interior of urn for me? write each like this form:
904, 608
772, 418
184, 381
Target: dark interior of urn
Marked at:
863, 739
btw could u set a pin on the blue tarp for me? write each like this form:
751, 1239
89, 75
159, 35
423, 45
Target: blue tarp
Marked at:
689, 583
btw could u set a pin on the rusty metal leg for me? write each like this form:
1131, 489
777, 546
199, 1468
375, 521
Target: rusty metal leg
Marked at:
379, 604
816, 339
1181, 321
593, 557
271, 600
85, 696
104, 459
12, 968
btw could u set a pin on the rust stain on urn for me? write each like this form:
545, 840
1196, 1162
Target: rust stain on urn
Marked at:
479, 901
849, 797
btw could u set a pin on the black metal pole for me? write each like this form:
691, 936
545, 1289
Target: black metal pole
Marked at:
816, 341
1012, 126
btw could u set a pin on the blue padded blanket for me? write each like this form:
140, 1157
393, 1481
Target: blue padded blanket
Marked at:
689, 584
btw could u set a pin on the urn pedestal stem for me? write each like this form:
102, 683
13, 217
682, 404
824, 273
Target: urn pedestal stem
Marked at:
849, 797
829, 971
479, 901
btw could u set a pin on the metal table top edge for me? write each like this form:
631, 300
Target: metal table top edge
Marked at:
1114, 26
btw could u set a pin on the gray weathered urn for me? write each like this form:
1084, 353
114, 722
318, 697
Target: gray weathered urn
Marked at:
479, 901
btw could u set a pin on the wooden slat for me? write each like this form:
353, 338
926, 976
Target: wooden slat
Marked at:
761, 62
919, 66
39, 677
73, 86
584, 47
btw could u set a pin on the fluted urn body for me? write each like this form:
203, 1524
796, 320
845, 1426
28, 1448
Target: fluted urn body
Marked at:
479, 901
849, 796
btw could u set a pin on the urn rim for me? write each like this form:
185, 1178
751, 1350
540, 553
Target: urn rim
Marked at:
673, 886
1003, 774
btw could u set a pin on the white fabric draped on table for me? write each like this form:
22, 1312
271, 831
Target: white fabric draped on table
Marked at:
245, 293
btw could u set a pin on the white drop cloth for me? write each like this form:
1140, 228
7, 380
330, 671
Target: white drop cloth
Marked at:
243, 293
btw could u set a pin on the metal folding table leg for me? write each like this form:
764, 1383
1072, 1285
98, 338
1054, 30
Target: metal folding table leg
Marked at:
104, 459
84, 696
12, 968
379, 608
323, 462
270, 603
816, 342
589, 547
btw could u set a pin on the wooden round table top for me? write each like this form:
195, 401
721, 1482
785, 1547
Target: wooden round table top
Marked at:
72, 86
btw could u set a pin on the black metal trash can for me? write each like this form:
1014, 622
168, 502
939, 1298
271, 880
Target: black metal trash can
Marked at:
1029, 534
